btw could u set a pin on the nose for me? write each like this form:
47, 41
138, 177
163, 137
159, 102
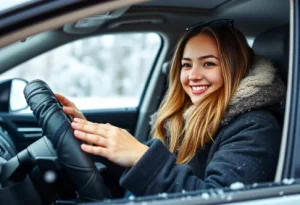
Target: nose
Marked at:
195, 73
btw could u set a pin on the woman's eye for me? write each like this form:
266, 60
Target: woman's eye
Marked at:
209, 64
185, 65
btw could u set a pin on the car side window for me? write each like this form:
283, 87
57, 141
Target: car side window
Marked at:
108, 71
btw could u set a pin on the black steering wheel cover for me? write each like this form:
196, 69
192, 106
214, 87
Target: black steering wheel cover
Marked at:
56, 126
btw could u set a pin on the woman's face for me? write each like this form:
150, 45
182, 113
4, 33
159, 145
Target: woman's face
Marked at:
200, 67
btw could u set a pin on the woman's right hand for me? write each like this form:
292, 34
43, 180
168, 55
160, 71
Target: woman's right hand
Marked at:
69, 107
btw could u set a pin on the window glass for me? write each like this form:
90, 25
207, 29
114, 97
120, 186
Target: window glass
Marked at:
109, 71
12, 3
250, 41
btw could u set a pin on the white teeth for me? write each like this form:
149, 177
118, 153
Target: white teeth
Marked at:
198, 88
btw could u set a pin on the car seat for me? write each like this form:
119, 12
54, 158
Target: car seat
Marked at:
273, 44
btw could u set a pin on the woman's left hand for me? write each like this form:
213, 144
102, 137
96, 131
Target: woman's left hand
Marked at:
113, 143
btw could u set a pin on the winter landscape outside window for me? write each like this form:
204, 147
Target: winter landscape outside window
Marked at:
108, 71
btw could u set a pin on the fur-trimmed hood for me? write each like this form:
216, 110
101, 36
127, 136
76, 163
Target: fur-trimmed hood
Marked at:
260, 88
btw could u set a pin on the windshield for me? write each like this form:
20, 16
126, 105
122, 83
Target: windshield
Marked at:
12, 3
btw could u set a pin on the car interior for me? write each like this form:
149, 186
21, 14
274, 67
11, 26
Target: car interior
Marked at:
266, 25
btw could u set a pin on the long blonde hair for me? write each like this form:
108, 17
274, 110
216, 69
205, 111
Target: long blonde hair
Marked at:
185, 138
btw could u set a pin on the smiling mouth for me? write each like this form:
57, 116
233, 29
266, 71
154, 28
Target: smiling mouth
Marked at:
199, 89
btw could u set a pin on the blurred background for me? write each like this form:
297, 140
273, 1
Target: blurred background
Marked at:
108, 71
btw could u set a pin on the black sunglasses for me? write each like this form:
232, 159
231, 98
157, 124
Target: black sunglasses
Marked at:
214, 23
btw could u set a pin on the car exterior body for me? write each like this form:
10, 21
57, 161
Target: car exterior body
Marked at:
30, 40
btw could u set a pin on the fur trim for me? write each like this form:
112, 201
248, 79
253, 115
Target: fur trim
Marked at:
262, 74
260, 88
188, 113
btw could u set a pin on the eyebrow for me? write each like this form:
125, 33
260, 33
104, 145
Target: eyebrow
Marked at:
202, 57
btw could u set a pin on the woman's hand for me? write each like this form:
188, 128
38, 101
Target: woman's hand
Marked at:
111, 142
69, 107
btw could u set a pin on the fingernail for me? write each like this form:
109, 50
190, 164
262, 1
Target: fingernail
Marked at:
76, 132
76, 120
74, 124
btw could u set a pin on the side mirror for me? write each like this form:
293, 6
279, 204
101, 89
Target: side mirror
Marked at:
11, 95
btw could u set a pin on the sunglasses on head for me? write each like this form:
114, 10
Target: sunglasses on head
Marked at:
218, 23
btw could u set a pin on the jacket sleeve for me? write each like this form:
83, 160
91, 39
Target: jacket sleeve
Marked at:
247, 153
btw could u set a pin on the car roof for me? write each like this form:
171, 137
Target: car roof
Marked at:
250, 16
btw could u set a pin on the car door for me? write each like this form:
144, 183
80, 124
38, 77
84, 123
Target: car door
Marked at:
270, 193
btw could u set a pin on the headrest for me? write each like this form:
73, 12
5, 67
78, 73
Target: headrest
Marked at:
273, 44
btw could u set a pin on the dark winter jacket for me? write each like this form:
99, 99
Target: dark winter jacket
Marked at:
245, 148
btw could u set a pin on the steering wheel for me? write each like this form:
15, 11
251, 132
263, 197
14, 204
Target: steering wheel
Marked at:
56, 125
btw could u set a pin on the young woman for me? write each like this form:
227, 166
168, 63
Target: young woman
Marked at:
214, 126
